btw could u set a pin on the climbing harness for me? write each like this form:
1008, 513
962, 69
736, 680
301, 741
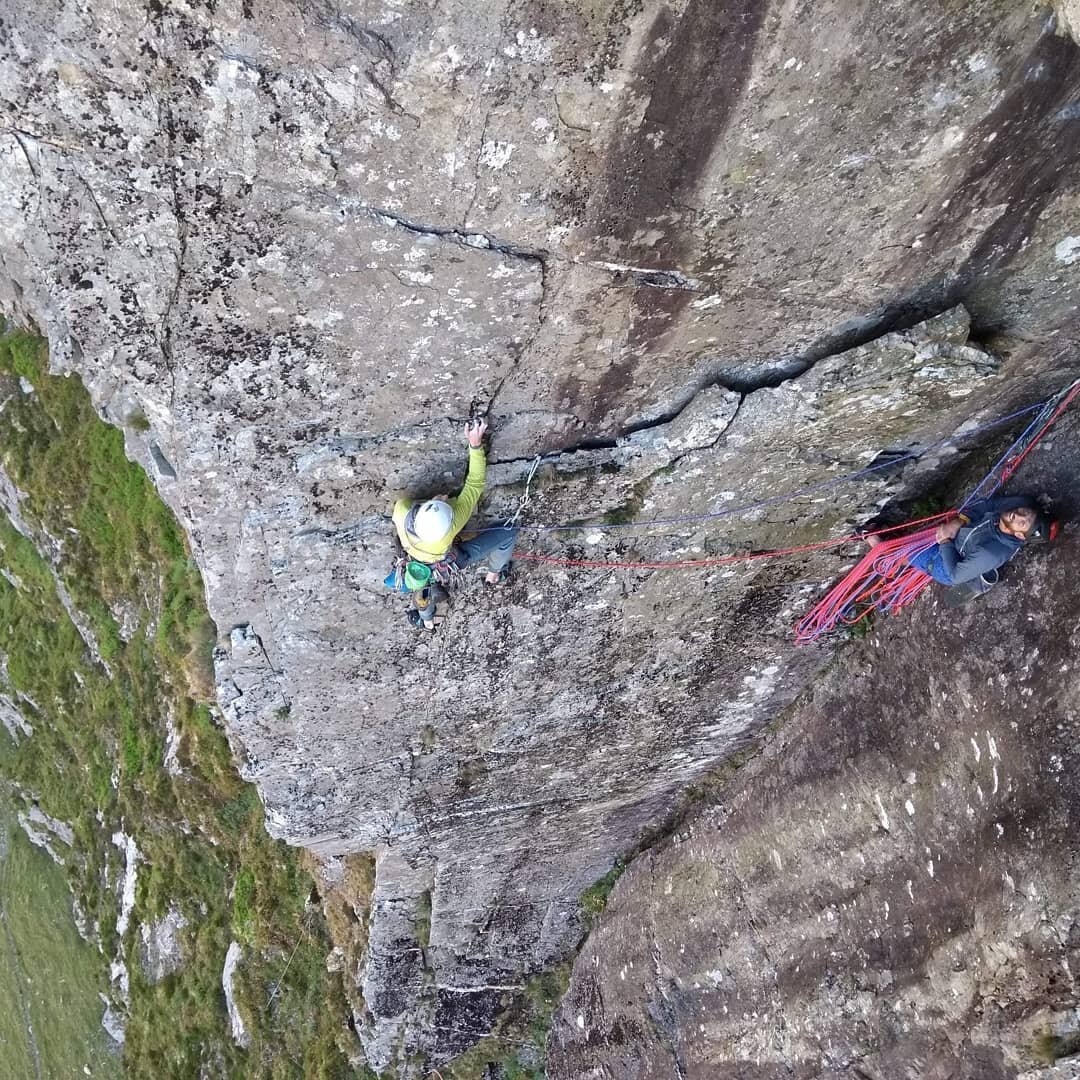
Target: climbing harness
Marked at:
423, 583
410, 575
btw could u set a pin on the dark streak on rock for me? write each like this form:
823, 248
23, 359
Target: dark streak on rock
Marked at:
694, 85
467, 238
1029, 148
164, 467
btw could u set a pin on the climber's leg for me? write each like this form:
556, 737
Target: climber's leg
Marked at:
497, 545
929, 562
425, 608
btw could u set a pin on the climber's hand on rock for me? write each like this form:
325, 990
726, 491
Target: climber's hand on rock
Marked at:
475, 431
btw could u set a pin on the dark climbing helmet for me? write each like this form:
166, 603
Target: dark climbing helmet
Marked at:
1045, 530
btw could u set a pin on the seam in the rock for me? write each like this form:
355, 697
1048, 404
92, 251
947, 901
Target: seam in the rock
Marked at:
97, 206
744, 905
667, 1022
478, 239
526, 347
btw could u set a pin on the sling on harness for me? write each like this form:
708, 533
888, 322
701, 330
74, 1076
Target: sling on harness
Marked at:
411, 575
420, 581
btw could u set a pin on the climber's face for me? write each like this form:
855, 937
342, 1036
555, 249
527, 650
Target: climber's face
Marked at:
1018, 523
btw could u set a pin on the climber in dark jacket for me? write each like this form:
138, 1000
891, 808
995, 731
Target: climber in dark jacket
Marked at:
972, 546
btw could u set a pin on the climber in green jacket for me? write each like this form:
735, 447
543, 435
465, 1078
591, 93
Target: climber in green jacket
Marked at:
428, 529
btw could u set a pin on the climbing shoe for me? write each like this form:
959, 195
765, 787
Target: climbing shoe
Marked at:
958, 595
502, 576
424, 624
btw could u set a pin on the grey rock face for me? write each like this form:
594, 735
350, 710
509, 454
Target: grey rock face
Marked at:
160, 950
15, 723
304, 242
1069, 15
891, 891
233, 957
125, 887
114, 1022
43, 831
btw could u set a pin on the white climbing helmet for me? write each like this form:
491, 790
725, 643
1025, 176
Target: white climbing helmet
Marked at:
432, 521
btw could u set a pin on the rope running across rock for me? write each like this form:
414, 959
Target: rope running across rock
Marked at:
883, 579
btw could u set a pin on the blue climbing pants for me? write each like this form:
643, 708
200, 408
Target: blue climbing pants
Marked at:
929, 562
496, 544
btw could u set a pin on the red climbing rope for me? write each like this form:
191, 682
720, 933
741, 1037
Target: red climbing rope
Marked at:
882, 580
723, 560
1014, 463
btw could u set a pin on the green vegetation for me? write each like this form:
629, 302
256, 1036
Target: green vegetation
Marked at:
517, 1045
927, 505
624, 513
137, 421
49, 977
1049, 1047
96, 757
594, 899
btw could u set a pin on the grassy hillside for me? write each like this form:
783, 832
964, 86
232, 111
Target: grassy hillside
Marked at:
96, 756
50, 1013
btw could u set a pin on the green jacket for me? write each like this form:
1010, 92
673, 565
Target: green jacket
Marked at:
463, 507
